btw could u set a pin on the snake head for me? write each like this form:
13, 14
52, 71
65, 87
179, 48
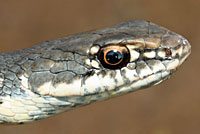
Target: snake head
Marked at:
110, 62
65, 73
132, 56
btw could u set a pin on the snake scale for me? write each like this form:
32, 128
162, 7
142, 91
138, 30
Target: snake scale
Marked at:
66, 73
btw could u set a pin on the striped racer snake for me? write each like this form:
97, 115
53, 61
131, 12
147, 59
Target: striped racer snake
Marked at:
66, 73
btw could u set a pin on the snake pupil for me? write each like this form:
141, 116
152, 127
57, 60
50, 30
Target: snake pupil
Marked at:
113, 56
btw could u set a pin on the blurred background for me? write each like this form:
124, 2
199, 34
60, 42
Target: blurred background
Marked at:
170, 108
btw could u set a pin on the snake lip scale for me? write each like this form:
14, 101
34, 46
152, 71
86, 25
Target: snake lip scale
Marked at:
66, 73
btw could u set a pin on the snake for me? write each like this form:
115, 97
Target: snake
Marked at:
63, 74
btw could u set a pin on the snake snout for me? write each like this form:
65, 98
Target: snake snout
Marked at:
186, 50
175, 47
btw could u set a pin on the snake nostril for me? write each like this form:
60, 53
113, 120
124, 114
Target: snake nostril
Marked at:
168, 52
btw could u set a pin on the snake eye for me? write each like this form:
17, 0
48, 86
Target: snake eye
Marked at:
114, 56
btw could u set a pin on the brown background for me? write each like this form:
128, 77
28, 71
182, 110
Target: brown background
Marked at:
170, 108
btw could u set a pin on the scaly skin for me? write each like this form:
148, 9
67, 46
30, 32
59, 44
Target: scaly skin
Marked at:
66, 73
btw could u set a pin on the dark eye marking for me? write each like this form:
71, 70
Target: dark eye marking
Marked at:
114, 56
168, 52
